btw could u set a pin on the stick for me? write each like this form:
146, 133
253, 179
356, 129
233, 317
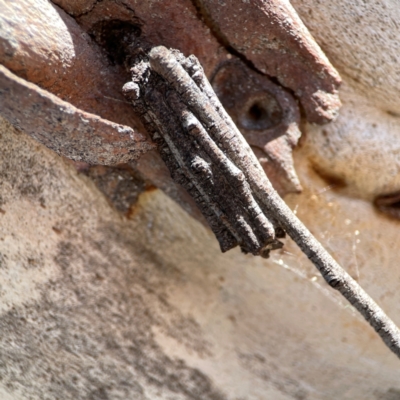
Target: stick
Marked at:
207, 154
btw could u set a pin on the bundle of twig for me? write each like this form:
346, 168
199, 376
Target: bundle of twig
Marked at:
206, 153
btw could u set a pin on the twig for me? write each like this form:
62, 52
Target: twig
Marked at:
207, 154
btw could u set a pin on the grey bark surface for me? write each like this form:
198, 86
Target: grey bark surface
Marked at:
197, 162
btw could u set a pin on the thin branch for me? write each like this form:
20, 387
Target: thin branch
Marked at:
207, 154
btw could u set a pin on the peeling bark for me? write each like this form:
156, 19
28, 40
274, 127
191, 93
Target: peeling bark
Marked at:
271, 35
67, 130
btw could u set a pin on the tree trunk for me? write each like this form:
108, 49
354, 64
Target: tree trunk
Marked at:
114, 289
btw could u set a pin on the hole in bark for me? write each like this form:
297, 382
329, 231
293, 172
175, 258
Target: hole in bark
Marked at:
116, 36
389, 204
261, 113
257, 113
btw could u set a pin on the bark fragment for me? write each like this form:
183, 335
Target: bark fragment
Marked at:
271, 35
67, 130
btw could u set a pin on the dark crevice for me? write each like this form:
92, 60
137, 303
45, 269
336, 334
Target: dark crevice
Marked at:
116, 37
121, 185
393, 113
262, 113
389, 205
335, 182
127, 7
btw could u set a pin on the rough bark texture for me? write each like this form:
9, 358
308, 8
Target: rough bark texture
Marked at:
103, 297
267, 116
160, 88
67, 66
148, 308
206, 168
68, 131
271, 35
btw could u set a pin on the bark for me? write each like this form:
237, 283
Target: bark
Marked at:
67, 130
168, 79
126, 299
